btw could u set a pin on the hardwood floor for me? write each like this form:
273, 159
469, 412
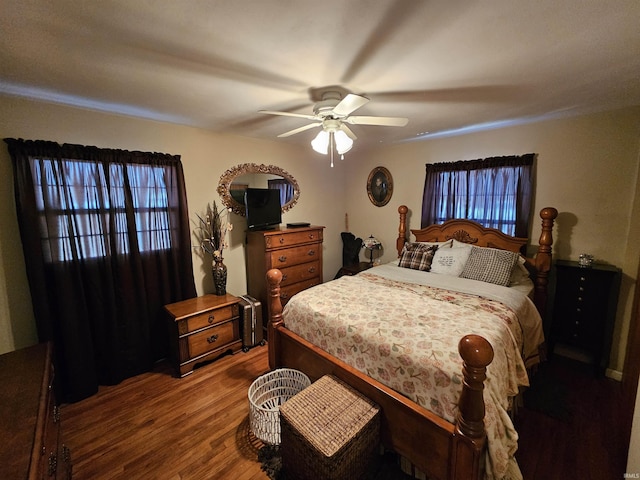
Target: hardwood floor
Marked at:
161, 427
156, 426
588, 441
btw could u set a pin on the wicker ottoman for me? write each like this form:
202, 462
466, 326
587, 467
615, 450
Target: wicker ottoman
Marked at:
329, 431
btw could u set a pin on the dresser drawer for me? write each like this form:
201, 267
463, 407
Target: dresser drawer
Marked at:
295, 255
299, 273
289, 291
207, 319
212, 338
287, 239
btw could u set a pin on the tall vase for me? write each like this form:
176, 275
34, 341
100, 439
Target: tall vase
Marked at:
219, 276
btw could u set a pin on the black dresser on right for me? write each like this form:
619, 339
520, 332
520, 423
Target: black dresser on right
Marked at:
584, 311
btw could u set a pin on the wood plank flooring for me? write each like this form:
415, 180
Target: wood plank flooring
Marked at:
156, 426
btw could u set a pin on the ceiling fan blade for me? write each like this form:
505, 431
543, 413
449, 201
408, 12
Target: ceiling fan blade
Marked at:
349, 104
287, 114
348, 131
383, 121
299, 129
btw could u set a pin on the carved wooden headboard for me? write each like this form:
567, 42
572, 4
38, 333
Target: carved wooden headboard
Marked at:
473, 233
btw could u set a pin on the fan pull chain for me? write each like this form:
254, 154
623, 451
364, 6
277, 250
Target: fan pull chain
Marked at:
331, 147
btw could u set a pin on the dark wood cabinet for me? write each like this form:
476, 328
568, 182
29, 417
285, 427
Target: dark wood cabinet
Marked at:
202, 329
296, 252
585, 306
32, 444
354, 269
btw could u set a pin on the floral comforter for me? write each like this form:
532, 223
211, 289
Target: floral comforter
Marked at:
406, 336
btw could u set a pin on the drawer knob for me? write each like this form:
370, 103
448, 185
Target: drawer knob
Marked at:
312, 270
53, 464
582, 279
311, 236
578, 310
311, 253
211, 318
284, 295
284, 276
212, 338
581, 289
579, 299
281, 240
282, 258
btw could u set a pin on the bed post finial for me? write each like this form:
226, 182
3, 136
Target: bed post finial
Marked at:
543, 258
402, 228
274, 277
476, 353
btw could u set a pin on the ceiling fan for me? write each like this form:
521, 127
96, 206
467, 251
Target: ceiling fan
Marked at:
333, 113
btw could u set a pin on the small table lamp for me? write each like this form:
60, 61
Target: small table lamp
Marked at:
372, 244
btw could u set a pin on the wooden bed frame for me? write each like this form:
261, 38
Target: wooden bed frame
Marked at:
441, 449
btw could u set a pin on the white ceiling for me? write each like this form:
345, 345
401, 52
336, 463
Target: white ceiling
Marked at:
446, 65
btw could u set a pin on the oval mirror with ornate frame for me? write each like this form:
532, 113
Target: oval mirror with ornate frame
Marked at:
234, 181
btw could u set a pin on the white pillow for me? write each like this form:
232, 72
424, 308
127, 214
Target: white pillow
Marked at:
445, 244
450, 261
457, 243
519, 273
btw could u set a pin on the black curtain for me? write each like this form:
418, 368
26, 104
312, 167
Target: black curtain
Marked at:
496, 192
106, 243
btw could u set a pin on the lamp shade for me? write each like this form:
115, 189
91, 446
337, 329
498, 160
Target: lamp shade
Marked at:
321, 143
343, 142
372, 243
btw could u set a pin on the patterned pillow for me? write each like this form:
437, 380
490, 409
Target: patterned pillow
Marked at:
450, 261
417, 256
490, 265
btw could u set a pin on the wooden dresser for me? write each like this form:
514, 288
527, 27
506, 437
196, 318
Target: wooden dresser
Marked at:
584, 311
202, 329
31, 446
297, 252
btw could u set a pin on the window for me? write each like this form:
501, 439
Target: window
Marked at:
107, 244
87, 201
495, 192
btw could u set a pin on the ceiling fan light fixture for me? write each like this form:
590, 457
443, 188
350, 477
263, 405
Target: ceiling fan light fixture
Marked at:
343, 142
321, 143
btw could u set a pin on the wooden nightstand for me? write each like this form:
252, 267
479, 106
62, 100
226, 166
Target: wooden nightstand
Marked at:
353, 269
585, 309
202, 329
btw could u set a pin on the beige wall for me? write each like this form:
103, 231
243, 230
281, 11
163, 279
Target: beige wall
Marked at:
587, 168
205, 156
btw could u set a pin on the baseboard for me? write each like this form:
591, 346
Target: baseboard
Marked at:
613, 374
583, 357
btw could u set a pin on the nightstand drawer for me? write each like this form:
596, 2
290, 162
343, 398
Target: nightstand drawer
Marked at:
213, 338
295, 255
203, 328
210, 318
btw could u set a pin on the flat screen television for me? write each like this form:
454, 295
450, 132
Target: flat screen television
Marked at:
263, 209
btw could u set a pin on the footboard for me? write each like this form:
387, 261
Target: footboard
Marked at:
441, 449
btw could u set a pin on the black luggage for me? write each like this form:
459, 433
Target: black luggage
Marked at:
251, 322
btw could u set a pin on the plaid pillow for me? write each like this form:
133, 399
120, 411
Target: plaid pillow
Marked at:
490, 265
417, 256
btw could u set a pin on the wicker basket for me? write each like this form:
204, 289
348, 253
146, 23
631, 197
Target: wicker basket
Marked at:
266, 394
